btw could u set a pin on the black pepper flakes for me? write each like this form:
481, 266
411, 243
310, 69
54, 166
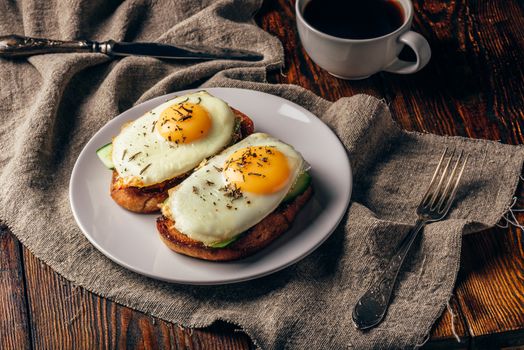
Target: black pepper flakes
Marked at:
186, 109
145, 168
134, 156
186, 117
231, 191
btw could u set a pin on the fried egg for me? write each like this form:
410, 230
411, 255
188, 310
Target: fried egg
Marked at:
234, 190
172, 139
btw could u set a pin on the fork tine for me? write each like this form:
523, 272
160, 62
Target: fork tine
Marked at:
438, 190
432, 182
447, 189
454, 191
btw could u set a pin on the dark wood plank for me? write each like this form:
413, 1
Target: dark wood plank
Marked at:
14, 322
64, 316
450, 330
473, 84
491, 292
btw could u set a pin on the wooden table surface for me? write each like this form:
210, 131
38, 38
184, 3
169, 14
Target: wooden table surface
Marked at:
472, 87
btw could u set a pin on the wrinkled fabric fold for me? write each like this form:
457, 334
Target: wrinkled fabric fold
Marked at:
51, 105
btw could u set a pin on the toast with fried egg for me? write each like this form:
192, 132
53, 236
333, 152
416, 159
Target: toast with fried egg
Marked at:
238, 202
248, 243
147, 199
161, 148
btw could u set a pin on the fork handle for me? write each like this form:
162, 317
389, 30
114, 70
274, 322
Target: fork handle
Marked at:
372, 306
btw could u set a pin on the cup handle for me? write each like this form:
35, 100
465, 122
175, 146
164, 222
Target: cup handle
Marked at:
422, 50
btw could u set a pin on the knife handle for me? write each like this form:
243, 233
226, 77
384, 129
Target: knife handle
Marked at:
15, 45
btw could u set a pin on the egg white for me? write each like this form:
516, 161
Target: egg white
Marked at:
199, 208
166, 160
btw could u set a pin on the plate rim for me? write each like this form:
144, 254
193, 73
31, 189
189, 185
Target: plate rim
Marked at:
126, 265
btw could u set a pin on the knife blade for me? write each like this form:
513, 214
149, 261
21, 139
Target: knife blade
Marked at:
19, 46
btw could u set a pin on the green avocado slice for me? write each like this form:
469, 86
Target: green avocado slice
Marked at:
105, 153
298, 187
224, 243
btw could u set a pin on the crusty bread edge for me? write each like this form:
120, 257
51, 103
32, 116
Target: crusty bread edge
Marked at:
144, 200
255, 239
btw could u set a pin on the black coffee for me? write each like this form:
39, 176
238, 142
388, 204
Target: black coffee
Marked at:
354, 19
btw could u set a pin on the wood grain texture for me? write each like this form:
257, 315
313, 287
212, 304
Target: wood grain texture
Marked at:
450, 331
14, 322
68, 317
491, 291
472, 87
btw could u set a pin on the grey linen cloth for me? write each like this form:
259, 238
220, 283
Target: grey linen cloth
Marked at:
50, 105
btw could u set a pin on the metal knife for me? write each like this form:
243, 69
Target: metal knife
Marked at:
18, 46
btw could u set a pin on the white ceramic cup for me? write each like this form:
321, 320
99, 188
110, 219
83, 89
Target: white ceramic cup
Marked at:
360, 58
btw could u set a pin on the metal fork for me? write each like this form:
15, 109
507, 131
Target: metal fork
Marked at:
372, 306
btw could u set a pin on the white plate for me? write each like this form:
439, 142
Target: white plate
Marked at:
131, 239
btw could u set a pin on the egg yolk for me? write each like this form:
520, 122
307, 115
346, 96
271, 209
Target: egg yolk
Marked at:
257, 169
184, 123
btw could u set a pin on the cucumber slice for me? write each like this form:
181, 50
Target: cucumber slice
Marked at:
299, 187
225, 243
105, 153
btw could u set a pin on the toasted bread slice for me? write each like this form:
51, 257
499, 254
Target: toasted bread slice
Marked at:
146, 199
251, 241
